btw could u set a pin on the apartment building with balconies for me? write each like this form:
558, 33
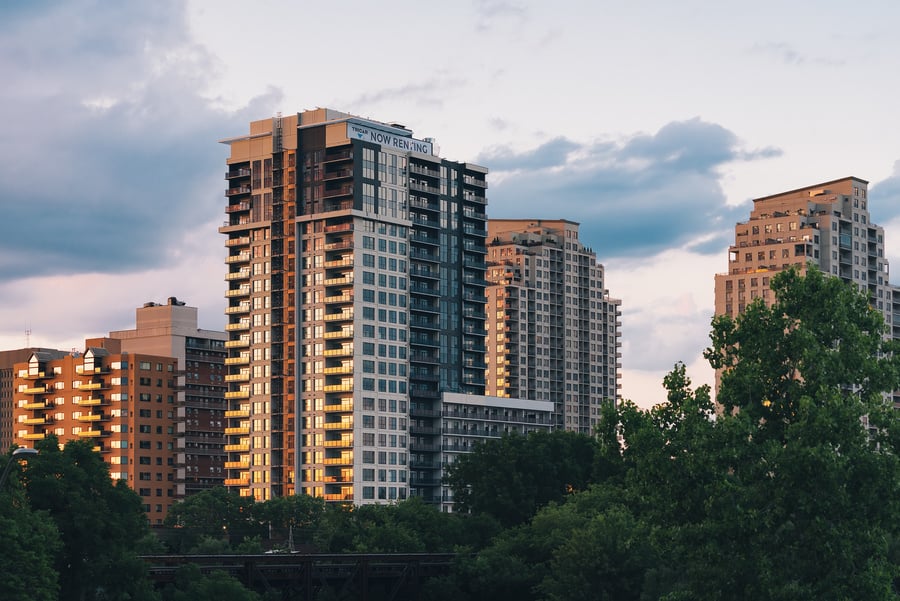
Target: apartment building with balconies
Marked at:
171, 329
123, 403
553, 332
355, 299
827, 225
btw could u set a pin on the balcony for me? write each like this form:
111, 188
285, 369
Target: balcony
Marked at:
346, 459
341, 425
342, 407
242, 291
339, 370
34, 376
346, 280
338, 191
237, 394
244, 172
237, 191
239, 207
238, 258
35, 421
338, 496
241, 308
244, 480
344, 351
241, 241
239, 343
237, 327
237, 465
237, 413
93, 417
332, 444
339, 387
237, 448
237, 378
38, 390
238, 430
242, 274
93, 386
92, 433
345, 333
38, 436
242, 360
36, 405
342, 316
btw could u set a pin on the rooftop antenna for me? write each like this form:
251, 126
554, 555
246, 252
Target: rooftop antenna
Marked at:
27, 337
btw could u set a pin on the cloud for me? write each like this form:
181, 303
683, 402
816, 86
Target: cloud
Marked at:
789, 56
885, 197
634, 197
427, 93
492, 12
109, 152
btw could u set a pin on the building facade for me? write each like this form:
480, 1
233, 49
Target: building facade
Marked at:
468, 420
124, 403
356, 290
553, 331
8, 360
170, 329
827, 225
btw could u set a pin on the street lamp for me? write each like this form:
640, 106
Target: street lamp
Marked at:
17, 455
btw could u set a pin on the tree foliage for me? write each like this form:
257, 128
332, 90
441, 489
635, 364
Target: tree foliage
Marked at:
99, 522
29, 543
788, 492
510, 478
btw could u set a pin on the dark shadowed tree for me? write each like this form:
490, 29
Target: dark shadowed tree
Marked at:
510, 478
100, 522
29, 543
213, 514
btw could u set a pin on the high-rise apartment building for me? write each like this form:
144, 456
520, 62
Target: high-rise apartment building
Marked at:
356, 298
170, 329
8, 359
124, 403
827, 225
553, 332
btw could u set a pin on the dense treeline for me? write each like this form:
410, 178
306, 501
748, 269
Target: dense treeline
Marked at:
787, 490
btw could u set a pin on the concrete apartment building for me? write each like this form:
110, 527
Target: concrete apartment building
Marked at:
356, 291
827, 225
170, 329
124, 403
553, 330
8, 360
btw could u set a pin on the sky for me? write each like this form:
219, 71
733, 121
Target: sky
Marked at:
651, 123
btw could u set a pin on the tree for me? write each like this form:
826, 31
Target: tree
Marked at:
798, 469
99, 522
290, 519
510, 478
28, 543
193, 585
216, 513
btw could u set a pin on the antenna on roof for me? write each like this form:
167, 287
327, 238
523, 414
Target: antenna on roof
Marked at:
27, 337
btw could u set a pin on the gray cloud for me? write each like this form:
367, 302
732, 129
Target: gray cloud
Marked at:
885, 197
108, 149
633, 198
789, 56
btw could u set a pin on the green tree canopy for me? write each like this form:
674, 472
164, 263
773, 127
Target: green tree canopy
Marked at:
510, 478
216, 513
29, 543
100, 522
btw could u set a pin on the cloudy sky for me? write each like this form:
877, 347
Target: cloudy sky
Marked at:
652, 123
